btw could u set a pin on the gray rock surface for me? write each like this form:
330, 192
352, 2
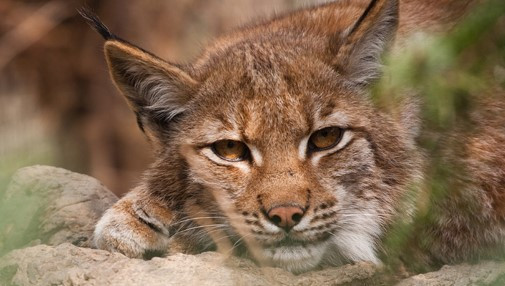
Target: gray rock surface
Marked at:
51, 212
50, 205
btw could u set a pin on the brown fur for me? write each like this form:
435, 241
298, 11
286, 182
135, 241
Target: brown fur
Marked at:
272, 85
470, 221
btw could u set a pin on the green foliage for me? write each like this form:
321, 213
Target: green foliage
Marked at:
17, 227
448, 73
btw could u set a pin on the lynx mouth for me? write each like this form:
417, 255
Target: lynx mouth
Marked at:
289, 241
295, 255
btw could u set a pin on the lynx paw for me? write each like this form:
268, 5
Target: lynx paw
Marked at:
133, 230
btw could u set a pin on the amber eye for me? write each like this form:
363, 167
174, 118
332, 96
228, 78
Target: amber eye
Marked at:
325, 138
230, 150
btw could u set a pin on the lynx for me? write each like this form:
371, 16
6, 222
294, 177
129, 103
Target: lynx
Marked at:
269, 146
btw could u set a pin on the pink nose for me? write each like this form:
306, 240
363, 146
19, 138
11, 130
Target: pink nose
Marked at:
286, 216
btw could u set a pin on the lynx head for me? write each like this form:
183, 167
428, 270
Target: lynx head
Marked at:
272, 127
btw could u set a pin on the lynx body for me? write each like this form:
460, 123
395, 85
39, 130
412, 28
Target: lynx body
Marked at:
268, 143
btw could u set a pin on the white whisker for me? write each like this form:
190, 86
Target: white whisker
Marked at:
202, 227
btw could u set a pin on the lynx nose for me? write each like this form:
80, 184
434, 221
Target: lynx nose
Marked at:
286, 217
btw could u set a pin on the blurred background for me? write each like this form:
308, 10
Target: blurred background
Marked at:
57, 103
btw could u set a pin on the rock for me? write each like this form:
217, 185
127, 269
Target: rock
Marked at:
51, 205
52, 212
67, 264
483, 273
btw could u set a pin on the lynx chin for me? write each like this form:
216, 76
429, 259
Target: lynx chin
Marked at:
268, 144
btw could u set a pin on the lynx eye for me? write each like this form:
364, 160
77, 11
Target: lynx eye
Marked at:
230, 150
325, 138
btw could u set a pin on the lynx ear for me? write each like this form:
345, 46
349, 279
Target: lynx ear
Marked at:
156, 90
360, 48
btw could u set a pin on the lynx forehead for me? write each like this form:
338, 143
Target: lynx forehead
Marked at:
266, 106
268, 144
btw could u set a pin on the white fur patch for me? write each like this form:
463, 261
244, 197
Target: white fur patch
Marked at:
270, 227
302, 148
256, 154
356, 241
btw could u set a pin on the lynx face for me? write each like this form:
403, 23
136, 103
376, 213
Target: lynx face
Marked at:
272, 132
293, 157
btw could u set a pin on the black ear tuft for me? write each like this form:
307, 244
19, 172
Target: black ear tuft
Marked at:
363, 16
360, 50
96, 23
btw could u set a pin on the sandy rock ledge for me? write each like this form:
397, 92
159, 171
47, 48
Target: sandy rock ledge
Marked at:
48, 214
67, 264
484, 273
